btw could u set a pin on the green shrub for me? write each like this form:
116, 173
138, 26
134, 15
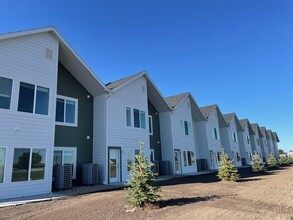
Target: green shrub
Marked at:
141, 189
283, 161
227, 171
257, 164
272, 162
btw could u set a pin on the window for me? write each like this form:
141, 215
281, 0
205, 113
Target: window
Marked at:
215, 133
234, 137
185, 158
185, 127
190, 158
150, 125
219, 156
139, 119
248, 139
250, 156
2, 163
152, 156
5, 93
65, 155
237, 157
258, 142
129, 160
128, 116
28, 164
27, 101
66, 111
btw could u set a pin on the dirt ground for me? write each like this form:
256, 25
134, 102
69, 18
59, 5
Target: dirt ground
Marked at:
255, 196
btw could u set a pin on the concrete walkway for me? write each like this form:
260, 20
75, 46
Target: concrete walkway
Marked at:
80, 190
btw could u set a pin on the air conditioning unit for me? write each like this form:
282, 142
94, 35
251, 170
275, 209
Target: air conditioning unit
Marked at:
90, 174
63, 176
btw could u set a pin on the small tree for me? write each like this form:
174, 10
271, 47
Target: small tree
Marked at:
141, 189
272, 162
257, 164
227, 171
283, 161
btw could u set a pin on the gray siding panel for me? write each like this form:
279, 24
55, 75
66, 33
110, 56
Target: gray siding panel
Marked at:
76, 136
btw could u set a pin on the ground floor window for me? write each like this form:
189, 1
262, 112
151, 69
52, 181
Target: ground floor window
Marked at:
2, 163
28, 164
65, 155
188, 158
237, 157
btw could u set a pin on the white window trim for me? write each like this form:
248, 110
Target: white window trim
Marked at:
5, 163
131, 112
74, 149
152, 151
150, 119
76, 111
236, 139
30, 164
11, 95
213, 133
189, 127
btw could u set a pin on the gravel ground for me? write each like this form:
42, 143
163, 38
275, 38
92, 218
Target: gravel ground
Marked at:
255, 196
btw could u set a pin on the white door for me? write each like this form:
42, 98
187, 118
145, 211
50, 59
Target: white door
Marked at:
177, 161
114, 165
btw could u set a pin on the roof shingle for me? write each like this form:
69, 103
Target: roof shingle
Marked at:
173, 101
207, 110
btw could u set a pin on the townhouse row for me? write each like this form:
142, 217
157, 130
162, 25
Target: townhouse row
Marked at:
54, 111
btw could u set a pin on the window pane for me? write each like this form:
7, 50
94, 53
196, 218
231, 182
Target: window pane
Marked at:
20, 164
2, 163
57, 157
192, 158
186, 128
128, 116
70, 112
60, 110
38, 164
184, 158
42, 101
215, 133
150, 125
5, 92
26, 97
189, 158
129, 160
142, 119
68, 157
136, 118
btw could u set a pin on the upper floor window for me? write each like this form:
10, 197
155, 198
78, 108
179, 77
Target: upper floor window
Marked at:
66, 111
258, 142
5, 92
215, 133
128, 116
139, 118
185, 127
234, 137
248, 139
150, 125
27, 101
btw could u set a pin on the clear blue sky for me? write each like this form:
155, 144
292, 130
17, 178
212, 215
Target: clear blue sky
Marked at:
238, 54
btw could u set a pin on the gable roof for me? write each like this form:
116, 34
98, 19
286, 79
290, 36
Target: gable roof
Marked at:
154, 94
117, 83
69, 58
176, 100
244, 123
228, 118
270, 133
276, 136
207, 110
264, 132
256, 129
173, 101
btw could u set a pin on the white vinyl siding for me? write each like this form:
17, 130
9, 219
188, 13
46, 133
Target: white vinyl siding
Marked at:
234, 137
215, 133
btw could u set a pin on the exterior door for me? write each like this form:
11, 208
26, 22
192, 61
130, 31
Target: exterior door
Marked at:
114, 165
177, 161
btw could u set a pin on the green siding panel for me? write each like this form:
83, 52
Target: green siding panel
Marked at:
155, 139
76, 136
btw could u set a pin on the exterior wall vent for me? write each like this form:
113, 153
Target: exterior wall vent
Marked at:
49, 53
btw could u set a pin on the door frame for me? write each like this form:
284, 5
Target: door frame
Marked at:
179, 162
120, 161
